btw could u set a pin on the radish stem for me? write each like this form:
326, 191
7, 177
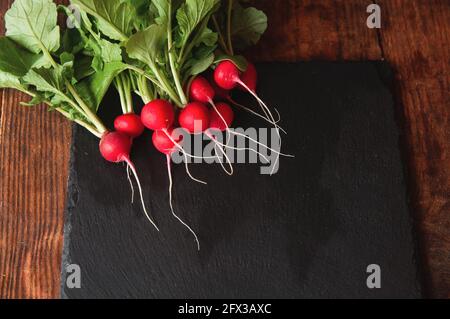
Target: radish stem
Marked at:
175, 74
221, 38
230, 13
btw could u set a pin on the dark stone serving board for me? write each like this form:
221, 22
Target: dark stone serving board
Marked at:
309, 231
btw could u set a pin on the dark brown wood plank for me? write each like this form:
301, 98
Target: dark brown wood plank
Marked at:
316, 30
34, 152
415, 38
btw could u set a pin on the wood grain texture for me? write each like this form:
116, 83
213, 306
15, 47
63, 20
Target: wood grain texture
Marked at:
416, 41
34, 153
319, 30
414, 38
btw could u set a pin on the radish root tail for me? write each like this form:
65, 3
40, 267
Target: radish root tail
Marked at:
169, 171
249, 110
133, 169
131, 184
188, 172
268, 113
227, 159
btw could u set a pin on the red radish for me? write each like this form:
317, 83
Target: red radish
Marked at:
164, 143
201, 90
225, 95
129, 124
222, 117
158, 115
115, 147
226, 75
194, 118
250, 77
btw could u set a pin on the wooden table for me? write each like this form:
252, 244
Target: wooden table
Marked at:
414, 38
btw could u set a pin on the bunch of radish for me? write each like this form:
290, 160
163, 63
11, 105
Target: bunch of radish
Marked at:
160, 50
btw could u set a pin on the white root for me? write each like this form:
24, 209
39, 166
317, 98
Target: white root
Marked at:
182, 149
131, 184
259, 115
133, 169
227, 160
261, 144
228, 132
188, 172
240, 149
169, 171
267, 112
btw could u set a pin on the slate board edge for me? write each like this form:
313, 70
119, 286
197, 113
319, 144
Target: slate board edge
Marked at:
387, 77
70, 205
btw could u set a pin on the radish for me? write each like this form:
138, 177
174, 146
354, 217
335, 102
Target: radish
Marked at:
129, 124
165, 143
115, 147
201, 91
221, 116
225, 95
158, 115
228, 77
194, 118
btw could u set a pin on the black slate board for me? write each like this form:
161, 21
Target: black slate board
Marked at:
309, 231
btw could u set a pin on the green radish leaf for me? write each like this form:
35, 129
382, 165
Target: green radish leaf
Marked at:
114, 17
71, 41
110, 52
147, 45
10, 81
93, 88
238, 60
197, 66
66, 58
161, 9
191, 15
46, 80
16, 60
200, 60
248, 25
33, 24
144, 15
208, 37
71, 113
83, 67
